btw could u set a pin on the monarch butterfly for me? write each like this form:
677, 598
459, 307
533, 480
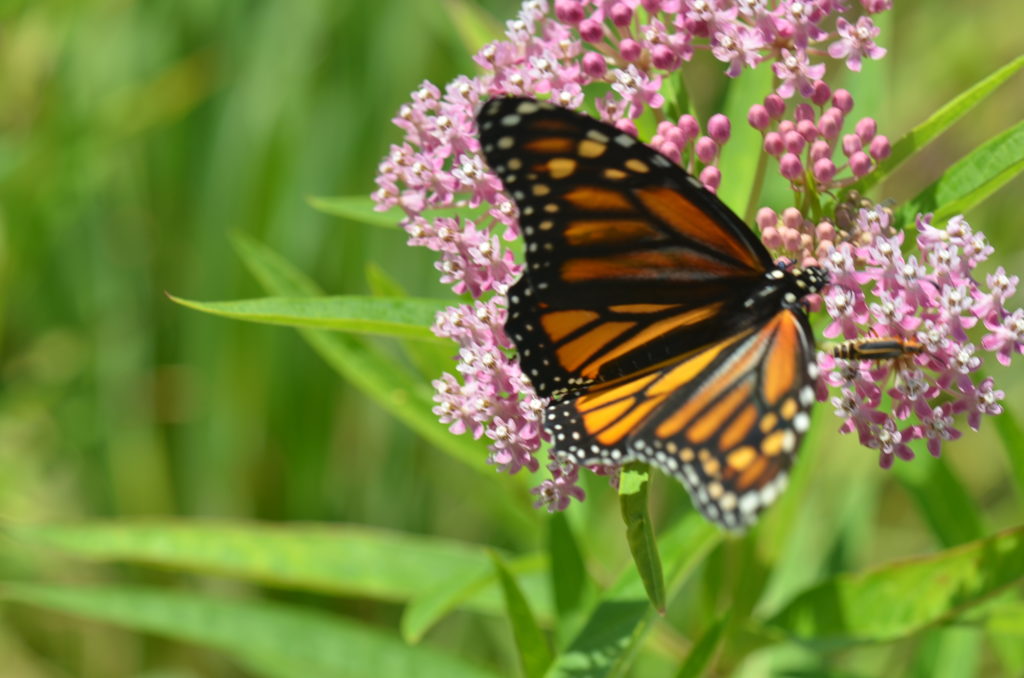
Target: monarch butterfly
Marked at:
650, 313
877, 348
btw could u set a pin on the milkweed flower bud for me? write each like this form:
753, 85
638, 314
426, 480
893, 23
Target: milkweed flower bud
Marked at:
719, 128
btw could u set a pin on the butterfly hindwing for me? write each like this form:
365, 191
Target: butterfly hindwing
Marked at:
608, 221
726, 419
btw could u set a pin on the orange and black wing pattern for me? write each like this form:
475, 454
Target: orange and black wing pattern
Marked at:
650, 312
725, 419
628, 256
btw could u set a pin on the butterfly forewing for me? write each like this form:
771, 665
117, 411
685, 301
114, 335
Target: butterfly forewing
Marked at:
609, 221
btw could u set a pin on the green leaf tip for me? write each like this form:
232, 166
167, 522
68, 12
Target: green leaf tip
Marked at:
634, 482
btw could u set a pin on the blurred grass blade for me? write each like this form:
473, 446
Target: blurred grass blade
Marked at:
948, 652
382, 283
703, 652
430, 606
1010, 433
571, 585
741, 157
899, 599
357, 208
620, 620
1005, 617
272, 270
430, 358
474, 25
944, 503
393, 387
971, 179
404, 318
634, 481
677, 98
296, 642
534, 652
477, 590
939, 122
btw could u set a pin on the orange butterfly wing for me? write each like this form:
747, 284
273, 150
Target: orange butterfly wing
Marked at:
726, 419
609, 221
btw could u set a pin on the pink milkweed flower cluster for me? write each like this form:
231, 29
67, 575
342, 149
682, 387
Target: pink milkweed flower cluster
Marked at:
933, 298
628, 47
805, 146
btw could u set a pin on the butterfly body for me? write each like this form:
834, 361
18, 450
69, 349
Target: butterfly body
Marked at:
652, 316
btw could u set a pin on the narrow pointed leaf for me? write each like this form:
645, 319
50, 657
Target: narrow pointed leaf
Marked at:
340, 560
348, 560
534, 652
393, 387
294, 641
897, 600
939, 122
634, 481
406, 318
971, 179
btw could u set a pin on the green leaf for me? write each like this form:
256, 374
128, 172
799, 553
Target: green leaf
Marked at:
944, 503
939, 122
971, 179
339, 560
293, 641
622, 617
634, 480
406, 318
703, 651
334, 560
897, 600
534, 652
393, 387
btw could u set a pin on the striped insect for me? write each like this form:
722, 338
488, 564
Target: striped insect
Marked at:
652, 316
877, 348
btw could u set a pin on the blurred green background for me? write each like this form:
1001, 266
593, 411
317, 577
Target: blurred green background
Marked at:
136, 136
